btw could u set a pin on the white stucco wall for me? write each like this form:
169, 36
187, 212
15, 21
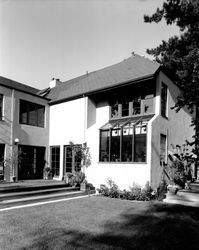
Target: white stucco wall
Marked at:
67, 123
123, 174
176, 126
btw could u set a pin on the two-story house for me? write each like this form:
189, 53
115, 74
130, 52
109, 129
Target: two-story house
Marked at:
24, 131
123, 114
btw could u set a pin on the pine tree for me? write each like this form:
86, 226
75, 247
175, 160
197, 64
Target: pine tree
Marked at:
180, 54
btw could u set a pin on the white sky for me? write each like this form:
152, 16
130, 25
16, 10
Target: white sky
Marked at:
41, 39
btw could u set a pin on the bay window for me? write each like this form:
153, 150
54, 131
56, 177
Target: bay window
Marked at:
124, 141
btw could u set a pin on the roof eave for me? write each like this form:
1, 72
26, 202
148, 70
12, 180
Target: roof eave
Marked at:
26, 92
126, 83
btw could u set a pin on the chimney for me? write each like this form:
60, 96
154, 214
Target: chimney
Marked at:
54, 82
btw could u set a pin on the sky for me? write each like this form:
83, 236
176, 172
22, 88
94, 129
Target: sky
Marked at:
42, 39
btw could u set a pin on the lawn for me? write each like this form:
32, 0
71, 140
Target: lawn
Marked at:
100, 223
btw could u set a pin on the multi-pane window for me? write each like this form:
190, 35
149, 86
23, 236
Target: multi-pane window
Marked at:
123, 142
55, 160
129, 107
1, 106
164, 100
31, 113
163, 148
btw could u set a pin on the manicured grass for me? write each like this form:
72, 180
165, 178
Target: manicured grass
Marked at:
100, 223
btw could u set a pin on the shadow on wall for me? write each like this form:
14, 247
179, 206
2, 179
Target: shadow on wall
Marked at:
158, 226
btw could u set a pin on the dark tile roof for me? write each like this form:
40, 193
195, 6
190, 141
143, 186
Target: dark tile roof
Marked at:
17, 86
129, 70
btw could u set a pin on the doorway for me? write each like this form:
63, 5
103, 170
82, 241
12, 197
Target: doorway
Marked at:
31, 162
72, 159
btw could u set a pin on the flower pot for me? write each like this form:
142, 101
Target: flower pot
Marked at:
172, 189
83, 186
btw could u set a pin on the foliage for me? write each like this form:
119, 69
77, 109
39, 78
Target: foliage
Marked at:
75, 178
82, 152
47, 173
136, 192
180, 54
180, 167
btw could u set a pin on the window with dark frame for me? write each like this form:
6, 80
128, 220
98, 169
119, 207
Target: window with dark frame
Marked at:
164, 100
123, 142
1, 106
55, 160
31, 114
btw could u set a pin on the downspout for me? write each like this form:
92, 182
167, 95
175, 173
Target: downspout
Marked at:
149, 136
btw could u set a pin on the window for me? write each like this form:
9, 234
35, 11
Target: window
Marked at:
55, 159
72, 158
163, 148
115, 110
123, 142
164, 100
136, 106
130, 107
31, 114
2, 150
1, 106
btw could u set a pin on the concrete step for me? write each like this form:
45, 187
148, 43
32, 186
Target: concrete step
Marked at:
184, 197
18, 201
194, 186
23, 188
16, 194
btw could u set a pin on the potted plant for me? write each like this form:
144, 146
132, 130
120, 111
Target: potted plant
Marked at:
47, 173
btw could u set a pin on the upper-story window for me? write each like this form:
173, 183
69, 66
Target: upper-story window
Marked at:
31, 113
1, 106
128, 106
164, 97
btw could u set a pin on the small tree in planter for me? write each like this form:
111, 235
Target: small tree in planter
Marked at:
78, 177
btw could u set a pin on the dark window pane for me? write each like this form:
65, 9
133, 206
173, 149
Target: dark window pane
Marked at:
31, 113
136, 106
164, 100
115, 144
140, 143
55, 160
104, 145
1, 106
125, 108
41, 111
127, 144
163, 148
115, 110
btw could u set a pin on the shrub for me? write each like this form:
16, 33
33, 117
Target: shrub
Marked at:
135, 192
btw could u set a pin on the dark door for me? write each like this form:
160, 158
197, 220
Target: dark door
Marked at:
31, 162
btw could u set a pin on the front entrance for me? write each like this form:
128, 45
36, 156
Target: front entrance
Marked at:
72, 160
31, 162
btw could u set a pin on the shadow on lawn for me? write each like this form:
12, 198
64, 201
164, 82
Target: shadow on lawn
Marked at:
160, 226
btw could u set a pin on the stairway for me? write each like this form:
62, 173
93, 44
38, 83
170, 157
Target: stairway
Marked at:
22, 195
187, 197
